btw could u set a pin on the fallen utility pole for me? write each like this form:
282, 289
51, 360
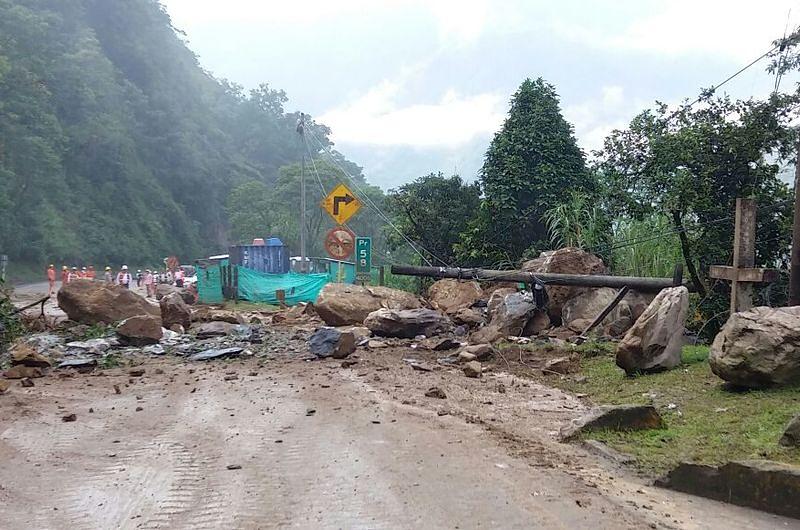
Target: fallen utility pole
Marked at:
636, 283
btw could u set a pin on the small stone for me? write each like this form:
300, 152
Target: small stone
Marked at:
559, 365
21, 372
311, 412
231, 377
465, 357
4, 386
376, 344
436, 392
232, 467
791, 435
117, 390
69, 418
349, 362
442, 412
139, 409
27, 382
91, 411
136, 372
473, 369
501, 388
159, 371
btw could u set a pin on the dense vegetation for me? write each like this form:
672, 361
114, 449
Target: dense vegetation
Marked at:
114, 144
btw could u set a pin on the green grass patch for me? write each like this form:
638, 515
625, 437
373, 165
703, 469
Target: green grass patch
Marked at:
704, 420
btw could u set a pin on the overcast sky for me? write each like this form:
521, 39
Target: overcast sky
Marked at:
414, 86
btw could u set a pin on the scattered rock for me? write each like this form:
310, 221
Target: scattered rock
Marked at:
473, 369
27, 382
78, 363
28, 356
469, 317
91, 347
466, 357
117, 390
330, 342
177, 328
215, 353
614, 417
69, 418
136, 372
791, 435
450, 295
90, 302
508, 316
538, 322
347, 363
655, 341
174, 311
208, 330
209, 314
4, 386
342, 304
233, 467
560, 365
436, 392
758, 348
407, 323
376, 344
231, 377
445, 344
763, 485
154, 349
568, 260
140, 330
482, 352
21, 372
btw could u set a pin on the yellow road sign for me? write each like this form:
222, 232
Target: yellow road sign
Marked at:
340, 204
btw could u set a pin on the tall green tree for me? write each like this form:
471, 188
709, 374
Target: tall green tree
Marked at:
433, 211
531, 164
690, 165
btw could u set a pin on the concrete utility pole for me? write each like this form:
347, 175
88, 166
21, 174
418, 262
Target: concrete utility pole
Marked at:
301, 130
794, 271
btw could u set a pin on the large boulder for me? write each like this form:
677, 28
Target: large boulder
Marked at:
140, 330
568, 260
175, 311
655, 341
759, 347
91, 302
341, 304
588, 304
509, 317
407, 323
331, 342
450, 295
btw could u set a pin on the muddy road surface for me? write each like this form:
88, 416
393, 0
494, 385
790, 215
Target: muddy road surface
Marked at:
284, 443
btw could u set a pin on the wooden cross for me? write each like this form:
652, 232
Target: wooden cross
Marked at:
742, 274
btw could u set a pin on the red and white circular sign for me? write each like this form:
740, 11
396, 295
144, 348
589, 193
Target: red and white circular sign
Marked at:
340, 243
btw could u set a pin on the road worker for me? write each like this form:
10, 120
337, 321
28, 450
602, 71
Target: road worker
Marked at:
108, 276
124, 277
51, 279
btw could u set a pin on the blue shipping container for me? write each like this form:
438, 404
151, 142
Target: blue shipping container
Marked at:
271, 258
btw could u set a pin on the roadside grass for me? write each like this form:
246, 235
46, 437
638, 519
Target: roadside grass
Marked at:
705, 421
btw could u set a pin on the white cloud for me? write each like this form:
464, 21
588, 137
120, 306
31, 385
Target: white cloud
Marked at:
736, 29
597, 116
376, 118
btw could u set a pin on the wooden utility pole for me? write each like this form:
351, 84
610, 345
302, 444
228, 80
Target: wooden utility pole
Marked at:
742, 274
794, 271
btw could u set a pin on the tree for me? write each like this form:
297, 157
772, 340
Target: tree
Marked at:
433, 211
532, 162
692, 164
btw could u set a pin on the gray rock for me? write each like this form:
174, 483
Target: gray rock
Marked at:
655, 341
78, 363
763, 485
154, 349
791, 435
482, 352
174, 311
212, 329
614, 417
215, 353
473, 369
407, 323
43, 342
92, 346
508, 316
331, 342
759, 347
469, 317
342, 304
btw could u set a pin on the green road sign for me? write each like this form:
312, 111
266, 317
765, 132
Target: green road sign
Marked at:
363, 258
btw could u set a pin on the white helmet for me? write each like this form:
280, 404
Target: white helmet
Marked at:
124, 267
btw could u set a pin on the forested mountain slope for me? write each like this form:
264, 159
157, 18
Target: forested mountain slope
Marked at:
114, 144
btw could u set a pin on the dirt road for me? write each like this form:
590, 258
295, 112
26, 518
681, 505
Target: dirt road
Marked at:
320, 446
